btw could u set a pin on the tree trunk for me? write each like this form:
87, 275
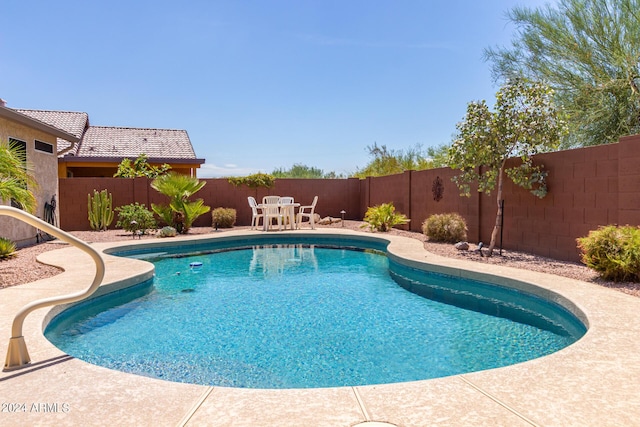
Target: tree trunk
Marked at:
498, 225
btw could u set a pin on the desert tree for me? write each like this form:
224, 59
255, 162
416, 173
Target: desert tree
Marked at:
588, 51
303, 171
140, 167
525, 121
389, 162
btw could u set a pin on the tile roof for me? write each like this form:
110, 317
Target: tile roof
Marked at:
114, 142
71, 122
104, 141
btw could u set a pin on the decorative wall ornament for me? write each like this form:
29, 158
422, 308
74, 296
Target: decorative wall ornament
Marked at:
438, 189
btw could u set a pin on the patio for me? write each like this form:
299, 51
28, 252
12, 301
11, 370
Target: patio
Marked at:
593, 382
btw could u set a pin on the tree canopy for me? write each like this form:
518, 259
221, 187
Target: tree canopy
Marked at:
303, 171
525, 122
140, 168
588, 51
389, 162
256, 180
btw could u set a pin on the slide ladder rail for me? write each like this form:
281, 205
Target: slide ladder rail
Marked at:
17, 354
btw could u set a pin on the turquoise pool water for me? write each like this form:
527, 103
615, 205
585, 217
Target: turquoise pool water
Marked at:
301, 315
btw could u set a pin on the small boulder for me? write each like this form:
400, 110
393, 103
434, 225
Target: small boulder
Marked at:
167, 232
462, 246
326, 220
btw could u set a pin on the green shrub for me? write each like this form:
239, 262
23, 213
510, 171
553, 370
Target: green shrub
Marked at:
383, 217
100, 212
223, 217
135, 218
140, 167
449, 228
257, 180
7, 248
614, 252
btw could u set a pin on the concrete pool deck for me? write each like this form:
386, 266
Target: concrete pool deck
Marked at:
594, 382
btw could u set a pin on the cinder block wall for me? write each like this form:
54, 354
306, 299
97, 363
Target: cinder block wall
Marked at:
583, 195
433, 192
588, 188
333, 197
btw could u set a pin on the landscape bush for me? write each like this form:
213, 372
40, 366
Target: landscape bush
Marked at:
383, 217
135, 218
447, 228
613, 251
7, 248
223, 217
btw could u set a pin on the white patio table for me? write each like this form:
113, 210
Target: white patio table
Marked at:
288, 211
284, 205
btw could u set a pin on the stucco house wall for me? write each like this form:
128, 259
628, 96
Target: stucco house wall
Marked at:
43, 165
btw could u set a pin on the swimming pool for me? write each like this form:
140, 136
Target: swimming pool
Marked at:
388, 335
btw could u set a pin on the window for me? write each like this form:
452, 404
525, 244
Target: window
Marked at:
45, 147
21, 148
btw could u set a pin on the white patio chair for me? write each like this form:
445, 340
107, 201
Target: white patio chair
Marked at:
271, 210
308, 212
256, 213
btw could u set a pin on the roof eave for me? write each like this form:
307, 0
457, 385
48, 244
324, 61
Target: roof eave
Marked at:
10, 114
85, 159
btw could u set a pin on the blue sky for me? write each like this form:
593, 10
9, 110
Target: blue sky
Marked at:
259, 85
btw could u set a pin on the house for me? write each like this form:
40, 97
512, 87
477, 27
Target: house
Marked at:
101, 148
39, 140
63, 144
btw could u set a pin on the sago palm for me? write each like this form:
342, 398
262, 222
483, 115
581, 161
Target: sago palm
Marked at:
179, 188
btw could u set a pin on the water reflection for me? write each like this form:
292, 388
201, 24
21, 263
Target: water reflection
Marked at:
274, 260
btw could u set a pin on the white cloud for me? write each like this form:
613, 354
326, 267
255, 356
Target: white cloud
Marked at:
208, 170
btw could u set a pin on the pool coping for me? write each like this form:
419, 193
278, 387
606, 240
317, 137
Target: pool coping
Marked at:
595, 381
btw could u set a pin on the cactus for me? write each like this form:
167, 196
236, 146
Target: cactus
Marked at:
100, 212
